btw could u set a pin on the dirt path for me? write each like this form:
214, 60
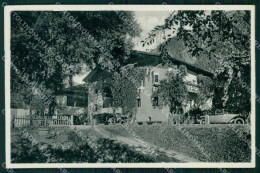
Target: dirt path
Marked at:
159, 154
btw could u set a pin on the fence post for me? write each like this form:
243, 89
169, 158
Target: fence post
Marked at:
207, 121
71, 120
45, 121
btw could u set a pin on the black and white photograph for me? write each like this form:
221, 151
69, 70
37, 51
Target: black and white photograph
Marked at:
130, 86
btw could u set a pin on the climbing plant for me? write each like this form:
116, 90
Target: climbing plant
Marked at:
124, 90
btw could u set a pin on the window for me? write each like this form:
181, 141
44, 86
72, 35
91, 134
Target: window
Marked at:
155, 101
139, 92
96, 107
138, 102
70, 101
156, 78
107, 92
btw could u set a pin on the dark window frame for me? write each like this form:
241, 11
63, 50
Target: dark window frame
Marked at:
139, 103
155, 101
156, 78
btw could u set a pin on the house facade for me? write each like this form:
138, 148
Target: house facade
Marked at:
100, 83
148, 100
99, 94
71, 103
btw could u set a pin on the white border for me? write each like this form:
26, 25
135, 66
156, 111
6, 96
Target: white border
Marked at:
7, 29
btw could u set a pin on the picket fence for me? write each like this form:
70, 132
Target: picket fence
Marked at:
25, 121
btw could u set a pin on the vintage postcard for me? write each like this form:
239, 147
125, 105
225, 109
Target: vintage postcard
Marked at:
130, 86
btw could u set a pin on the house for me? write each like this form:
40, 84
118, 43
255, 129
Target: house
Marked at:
100, 83
72, 103
99, 92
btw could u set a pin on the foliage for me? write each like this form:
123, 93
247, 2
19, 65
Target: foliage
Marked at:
124, 90
172, 91
26, 153
221, 35
94, 151
206, 91
239, 93
103, 118
81, 119
220, 90
56, 47
210, 30
233, 93
195, 113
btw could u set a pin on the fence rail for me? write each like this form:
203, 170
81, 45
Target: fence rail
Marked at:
39, 121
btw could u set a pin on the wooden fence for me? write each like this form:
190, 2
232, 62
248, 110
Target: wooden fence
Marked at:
25, 121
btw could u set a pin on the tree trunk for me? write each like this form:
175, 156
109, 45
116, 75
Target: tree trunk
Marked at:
51, 108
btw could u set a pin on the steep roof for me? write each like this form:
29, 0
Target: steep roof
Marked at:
140, 59
178, 51
152, 59
97, 74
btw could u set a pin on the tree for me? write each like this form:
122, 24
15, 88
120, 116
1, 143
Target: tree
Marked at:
222, 35
47, 46
238, 100
124, 90
205, 91
172, 91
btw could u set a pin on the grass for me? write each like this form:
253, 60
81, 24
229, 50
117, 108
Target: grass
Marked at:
211, 143
87, 147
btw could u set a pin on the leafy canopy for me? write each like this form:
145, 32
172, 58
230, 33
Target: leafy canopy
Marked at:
49, 46
124, 90
172, 91
220, 35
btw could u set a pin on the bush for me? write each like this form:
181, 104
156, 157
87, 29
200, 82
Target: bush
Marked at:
77, 150
103, 118
195, 113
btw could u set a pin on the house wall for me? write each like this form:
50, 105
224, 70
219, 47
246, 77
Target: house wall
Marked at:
146, 112
96, 100
149, 112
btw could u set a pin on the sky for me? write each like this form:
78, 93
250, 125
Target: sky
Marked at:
148, 20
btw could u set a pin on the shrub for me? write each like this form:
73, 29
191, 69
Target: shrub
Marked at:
195, 113
76, 150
